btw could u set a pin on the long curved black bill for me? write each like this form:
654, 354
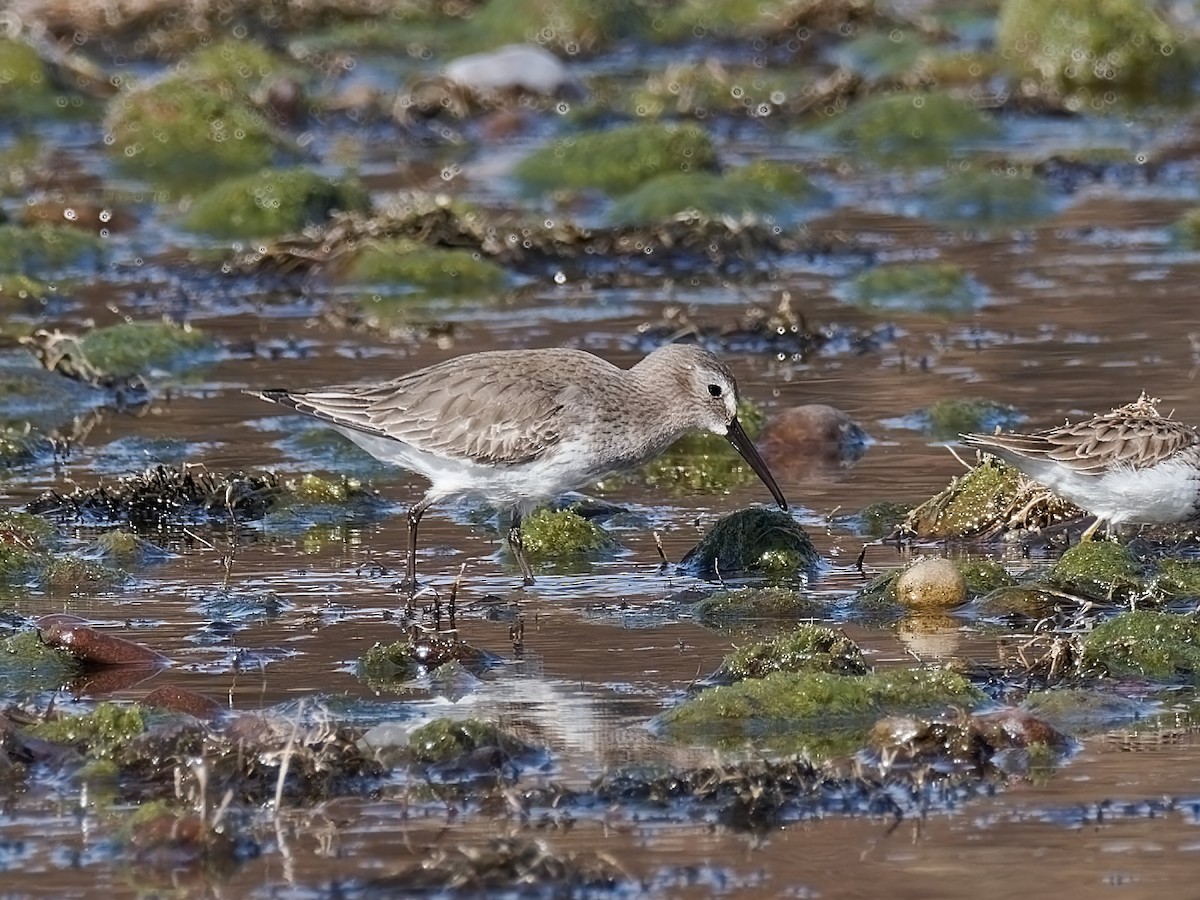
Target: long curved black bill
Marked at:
742, 443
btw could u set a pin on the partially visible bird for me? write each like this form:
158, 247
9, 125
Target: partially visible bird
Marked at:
515, 428
1129, 465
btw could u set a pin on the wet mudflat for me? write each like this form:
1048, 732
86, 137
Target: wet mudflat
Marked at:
881, 293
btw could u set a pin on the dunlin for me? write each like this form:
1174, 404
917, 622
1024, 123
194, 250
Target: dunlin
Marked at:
1128, 465
518, 427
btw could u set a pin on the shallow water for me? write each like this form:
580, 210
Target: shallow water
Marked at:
1078, 314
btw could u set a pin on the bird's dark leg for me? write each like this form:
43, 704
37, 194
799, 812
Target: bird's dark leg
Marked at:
410, 567
518, 547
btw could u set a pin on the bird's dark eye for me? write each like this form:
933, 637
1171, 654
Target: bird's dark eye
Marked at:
714, 390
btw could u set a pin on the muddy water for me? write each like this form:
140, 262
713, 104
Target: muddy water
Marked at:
1081, 313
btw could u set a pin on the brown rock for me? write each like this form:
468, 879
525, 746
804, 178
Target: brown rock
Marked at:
178, 699
809, 440
92, 646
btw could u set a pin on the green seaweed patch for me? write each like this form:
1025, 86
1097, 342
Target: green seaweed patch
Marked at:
273, 202
313, 500
758, 707
100, 734
78, 575
809, 648
20, 293
1019, 601
1095, 53
879, 54
761, 189
983, 575
132, 348
572, 25
242, 65
433, 270
29, 90
746, 19
125, 548
1080, 709
946, 419
699, 89
939, 288
27, 649
1179, 577
182, 132
881, 519
753, 541
446, 740
979, 199
911, 129
563, 534
969, 504
1144, 643
618, 160
749, 604
1101, 570
1186, 230
386, 666
46, 250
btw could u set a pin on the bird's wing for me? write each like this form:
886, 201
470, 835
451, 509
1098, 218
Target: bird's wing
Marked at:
472, 408
1095, 446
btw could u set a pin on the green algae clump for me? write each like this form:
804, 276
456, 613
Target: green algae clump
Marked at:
1179, 577
984, 575
750, 604
618, 160
563, 534
1101, 570
272, 203
985, 199
759, 706
754, 541
809, 648
1095, 48
946, 419
28, 88
911, 130
132, 348
940, 288
969, 504
1148, 644
444, 740
433, 270
78, 575
881, 519
101, 734
45, 250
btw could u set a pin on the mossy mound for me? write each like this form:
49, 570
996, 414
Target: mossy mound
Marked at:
443, 741
1186, 230
618, 160
183, 132
1101, 570
430, 270
100, 734
386, 666
312, 500
814, 701
272, 203
28, 89
241, 66
1179, 577
125, 548
881, 519
948, 418
879, 54
754, 541
981, 199
747, 19
572, 25
46, 250
20, 293
983, 575
911, 130
940, 288
762, 189
810, 648
1095, 50
1020, 602
725, 608
1146, 644
699, 89
22, 446
136, 348
562, 535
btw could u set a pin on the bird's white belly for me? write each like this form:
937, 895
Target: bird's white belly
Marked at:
566, 467
1162, 494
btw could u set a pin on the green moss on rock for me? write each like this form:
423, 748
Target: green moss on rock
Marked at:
1102, 570
1179, 577
451, 272
880, 519
574, 25
946, 419
100, 734
29, 90
132, 348
911, 130
754, 541
562, 534
618, 160
1094, 48
728, 607
979, 199
273, 202
984, 575
44, 250
942, 288
1148, 644
78, 575
809, 648
968, 503
445, 740
781, 700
